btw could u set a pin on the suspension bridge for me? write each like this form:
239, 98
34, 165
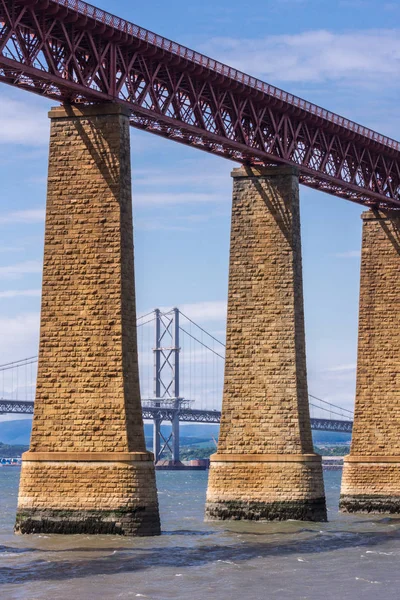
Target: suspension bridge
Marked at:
181, 369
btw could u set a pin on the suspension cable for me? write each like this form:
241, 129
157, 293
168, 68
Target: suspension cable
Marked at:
332, 412
330, 404
201, 343
34, 359
146, 315
209, 334
145, 323
18, 364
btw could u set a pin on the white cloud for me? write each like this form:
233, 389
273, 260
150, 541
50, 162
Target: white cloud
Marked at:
173, 222
158, 225
19, 336
33, 215
170, 198
23, 268
359, 57
334, 382
11, 249
14, 417
189, 175
348, 254
221, 333
342, 368
198, 311
19, 293
38, 180
205, 311
186, 183
20, 123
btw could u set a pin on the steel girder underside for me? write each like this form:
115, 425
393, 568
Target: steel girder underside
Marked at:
72, 52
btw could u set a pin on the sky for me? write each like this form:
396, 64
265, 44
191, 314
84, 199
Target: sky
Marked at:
343, 55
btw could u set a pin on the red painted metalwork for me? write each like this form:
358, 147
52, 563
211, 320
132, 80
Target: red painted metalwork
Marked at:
73, 52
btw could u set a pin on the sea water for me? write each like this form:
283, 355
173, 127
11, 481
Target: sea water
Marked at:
350, 557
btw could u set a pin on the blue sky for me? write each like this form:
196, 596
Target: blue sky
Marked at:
344, 55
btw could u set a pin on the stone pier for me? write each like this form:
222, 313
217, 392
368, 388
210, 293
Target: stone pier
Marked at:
371, 475
265, 467
87, 470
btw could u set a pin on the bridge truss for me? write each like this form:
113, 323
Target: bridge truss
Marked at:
72, 52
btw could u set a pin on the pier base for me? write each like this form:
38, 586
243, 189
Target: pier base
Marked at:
265, 467
87, 493
371, 473
87, 470
371, 485
273, 488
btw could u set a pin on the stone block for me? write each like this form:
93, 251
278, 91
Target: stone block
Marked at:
87, 397
371, 473
265, 466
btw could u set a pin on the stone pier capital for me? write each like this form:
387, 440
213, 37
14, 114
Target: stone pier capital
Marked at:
262, 171
66, 111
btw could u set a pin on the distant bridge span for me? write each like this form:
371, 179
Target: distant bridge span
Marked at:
186, 415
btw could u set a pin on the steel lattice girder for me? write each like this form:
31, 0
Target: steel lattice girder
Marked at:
16, 406
73, 52
188, 415
332, 425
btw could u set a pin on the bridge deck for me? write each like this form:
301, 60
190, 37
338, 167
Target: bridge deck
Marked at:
73, 52
186, 415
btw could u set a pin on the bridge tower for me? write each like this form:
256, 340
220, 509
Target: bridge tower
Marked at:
265, 467
87, 470
371, 474
166, 381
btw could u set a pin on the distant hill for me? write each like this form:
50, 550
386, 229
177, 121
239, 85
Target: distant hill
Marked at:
12, 450
195, 430
330, 437
19, 432
16, 432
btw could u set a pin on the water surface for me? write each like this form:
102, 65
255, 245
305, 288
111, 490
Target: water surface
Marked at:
351, 557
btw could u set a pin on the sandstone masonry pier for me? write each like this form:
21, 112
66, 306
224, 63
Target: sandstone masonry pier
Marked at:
87, 470
265, 467
371, 475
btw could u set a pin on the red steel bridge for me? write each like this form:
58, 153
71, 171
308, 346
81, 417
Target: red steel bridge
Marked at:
72, 52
